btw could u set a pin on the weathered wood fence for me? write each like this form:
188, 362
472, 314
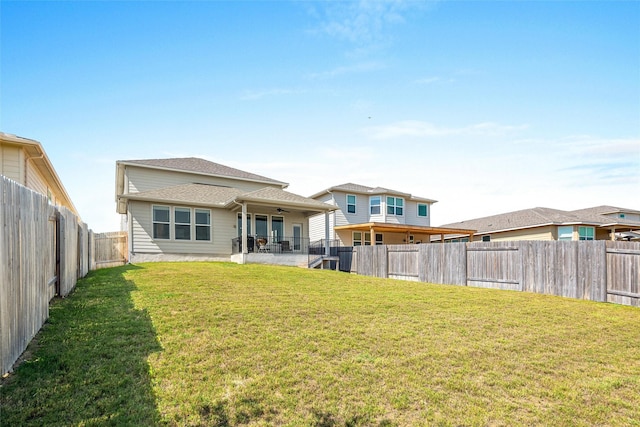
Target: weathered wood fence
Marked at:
44, 250
593, 270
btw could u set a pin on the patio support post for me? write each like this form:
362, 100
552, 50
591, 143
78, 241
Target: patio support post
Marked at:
327, 251
245, 248
613, 233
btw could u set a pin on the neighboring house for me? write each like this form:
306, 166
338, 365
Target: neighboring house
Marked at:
596, 223
194, 209
368, 215
25, 161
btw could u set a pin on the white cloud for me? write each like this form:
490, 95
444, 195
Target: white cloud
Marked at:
348, 69
250, 95
414, 128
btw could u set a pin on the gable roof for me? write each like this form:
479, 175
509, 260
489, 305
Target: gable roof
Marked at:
226, 197
193, 194
538, 217
201, 167
271, 195
363, 189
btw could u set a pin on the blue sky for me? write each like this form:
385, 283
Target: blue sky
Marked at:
485, 106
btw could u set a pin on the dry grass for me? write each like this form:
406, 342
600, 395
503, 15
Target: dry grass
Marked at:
223, 344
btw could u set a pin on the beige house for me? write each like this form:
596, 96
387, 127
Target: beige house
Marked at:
596, 223
25, 161
376, 216
194, 209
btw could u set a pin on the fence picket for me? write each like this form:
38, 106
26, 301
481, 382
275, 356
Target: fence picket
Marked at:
29, 228
592, 270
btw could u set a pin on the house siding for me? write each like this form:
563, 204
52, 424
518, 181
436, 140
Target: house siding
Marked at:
144, 179
12, 163
538, 233
36, 182
222, 231
317, 222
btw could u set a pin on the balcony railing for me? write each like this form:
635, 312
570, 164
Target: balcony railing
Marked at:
280, 245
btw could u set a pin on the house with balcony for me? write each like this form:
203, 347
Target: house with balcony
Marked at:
376, 216
195, 209
595, 223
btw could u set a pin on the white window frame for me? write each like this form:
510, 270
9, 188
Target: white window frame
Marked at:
154, 222
355, 201
182, 224
565, 231
372, 206
196, 225
356, 238
585, 236
393, 208
426, 209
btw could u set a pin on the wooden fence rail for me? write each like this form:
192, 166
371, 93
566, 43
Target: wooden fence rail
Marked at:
592, 270
44, 250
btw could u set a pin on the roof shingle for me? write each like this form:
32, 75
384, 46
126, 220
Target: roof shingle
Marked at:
202, 166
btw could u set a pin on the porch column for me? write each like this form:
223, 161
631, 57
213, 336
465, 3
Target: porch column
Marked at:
613, 234
327, 251
441, 238
245, 248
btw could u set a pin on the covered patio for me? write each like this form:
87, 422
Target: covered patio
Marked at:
263, 239
379, 233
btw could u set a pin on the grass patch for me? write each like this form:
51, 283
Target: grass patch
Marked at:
225, 344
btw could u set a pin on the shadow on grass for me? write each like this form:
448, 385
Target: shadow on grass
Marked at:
88, 365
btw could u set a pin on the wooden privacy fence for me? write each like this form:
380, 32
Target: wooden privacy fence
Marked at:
44, 250
593, 270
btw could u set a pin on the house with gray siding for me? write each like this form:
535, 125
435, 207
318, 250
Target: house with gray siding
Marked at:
195, 209
375, 216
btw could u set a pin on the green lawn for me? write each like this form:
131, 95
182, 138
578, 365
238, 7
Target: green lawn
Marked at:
224, 344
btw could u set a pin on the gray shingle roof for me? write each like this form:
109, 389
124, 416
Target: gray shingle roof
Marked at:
202, 166
214, 195
539, 216
275, 195
201, 194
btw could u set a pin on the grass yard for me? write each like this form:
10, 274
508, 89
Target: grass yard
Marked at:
223, 344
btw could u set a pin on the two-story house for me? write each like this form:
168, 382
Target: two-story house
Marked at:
194, 209
375, 216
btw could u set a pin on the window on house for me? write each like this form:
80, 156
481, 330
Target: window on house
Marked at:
486, 238
357, 238
351, 203
374, 205
240, 224
621, 215
586, 233
262, 227
203, 224
277, 228
161, 222
379, 240
395, 206
423, 209
182, 223
367, 239
411, 238
565, 232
